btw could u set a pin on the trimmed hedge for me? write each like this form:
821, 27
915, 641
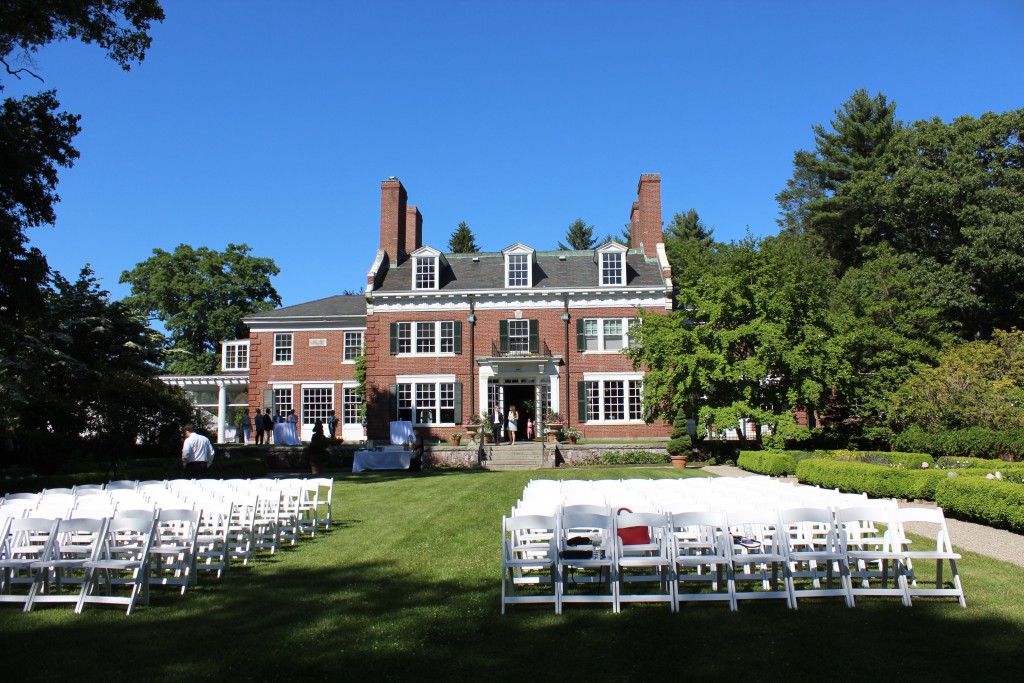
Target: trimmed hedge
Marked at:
973, 442
633, 458
875, 480
910, 461
772, 463
996, 503
951, 463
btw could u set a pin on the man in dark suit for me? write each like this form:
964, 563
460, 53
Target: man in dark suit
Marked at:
497, 422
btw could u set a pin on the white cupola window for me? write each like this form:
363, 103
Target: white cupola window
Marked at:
611, 264
426, 268
518, 266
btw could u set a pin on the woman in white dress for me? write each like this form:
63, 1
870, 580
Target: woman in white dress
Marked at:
512, 424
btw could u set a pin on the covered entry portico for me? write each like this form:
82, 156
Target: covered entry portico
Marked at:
531, 384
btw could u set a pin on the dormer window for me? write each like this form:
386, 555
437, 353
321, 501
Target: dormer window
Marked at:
518, 266
611, 261
426, 263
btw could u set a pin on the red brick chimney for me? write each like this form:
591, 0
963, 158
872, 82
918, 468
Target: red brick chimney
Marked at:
645, 218
413, 229
393, 219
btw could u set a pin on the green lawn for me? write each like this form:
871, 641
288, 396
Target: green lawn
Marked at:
406, 587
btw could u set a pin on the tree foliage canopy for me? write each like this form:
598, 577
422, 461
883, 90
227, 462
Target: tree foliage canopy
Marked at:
462, 240
201, 296
579, 235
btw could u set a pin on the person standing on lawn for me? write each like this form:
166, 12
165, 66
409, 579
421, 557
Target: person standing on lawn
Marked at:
196, 453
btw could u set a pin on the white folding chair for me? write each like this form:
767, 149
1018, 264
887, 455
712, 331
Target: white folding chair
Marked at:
813, 544
25, 540
60, 573
643, 557
874, 555
528, 560
173, 550
757, 555
586, 558
700, 557
121, 562
941, 554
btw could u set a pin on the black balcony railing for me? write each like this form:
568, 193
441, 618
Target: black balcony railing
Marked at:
512, 347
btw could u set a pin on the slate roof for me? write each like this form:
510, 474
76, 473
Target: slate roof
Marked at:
578, 270
340, 306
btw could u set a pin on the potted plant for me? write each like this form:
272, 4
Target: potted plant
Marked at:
456, 438
573, 435
472, 427
553, 423
679, 443
487, 430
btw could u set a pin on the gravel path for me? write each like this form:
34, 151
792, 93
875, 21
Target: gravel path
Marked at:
977, 538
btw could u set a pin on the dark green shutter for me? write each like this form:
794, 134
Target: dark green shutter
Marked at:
394, 338
534, 336
503, 335
581, 390
458, 336
394, 399
581, 339
458, 403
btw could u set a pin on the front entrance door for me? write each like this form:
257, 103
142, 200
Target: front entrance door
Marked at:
522, 396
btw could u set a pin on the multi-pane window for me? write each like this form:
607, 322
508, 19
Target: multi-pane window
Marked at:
519, 336
426, 342
350, 405
447, 336
236, 356
427, 402
613, 400
353, 345
283, 347
612, 268
428, 337
518, 270
282, 402
404, 337
605, 334
426, 273
613, 334
316, 401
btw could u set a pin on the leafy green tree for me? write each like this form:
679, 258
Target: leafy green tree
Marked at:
684, 226
830, 193
201, 296
579, 235
462, 240
974, 384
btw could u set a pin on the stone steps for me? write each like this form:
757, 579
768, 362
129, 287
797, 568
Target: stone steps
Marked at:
525, 456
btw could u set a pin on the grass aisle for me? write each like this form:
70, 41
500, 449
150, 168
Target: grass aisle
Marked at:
406, 587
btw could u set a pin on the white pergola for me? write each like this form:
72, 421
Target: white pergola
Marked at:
194, 384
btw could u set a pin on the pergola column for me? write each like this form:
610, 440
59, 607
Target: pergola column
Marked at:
222, 409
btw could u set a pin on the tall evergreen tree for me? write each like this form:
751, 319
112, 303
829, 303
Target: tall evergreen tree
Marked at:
689, 226
462, 240
580, 236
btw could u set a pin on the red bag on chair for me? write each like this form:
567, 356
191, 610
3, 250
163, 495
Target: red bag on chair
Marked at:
633, 535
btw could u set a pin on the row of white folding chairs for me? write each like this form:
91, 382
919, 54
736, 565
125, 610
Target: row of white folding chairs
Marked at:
764, 554
81, 560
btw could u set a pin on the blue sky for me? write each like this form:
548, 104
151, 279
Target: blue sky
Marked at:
273, 123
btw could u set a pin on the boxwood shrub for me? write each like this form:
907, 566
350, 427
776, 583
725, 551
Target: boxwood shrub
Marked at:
633, 458
996, 503
972, 442
875, 480
772, 463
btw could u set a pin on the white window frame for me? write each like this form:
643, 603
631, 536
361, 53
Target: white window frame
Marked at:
231, 352
280, 348
313, 409
601, 398
351, 406
601, 340
611, 264
352, 350
522, 256
519, 335
425, 272
442, 338
411, 388
279, 400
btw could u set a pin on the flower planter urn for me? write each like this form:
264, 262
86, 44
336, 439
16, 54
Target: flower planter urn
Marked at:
679, 461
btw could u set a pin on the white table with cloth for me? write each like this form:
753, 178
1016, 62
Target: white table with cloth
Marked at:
381, 460
284, 435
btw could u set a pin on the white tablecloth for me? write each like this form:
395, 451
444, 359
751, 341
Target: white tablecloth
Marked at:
401, 432
381, 460
284, 435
